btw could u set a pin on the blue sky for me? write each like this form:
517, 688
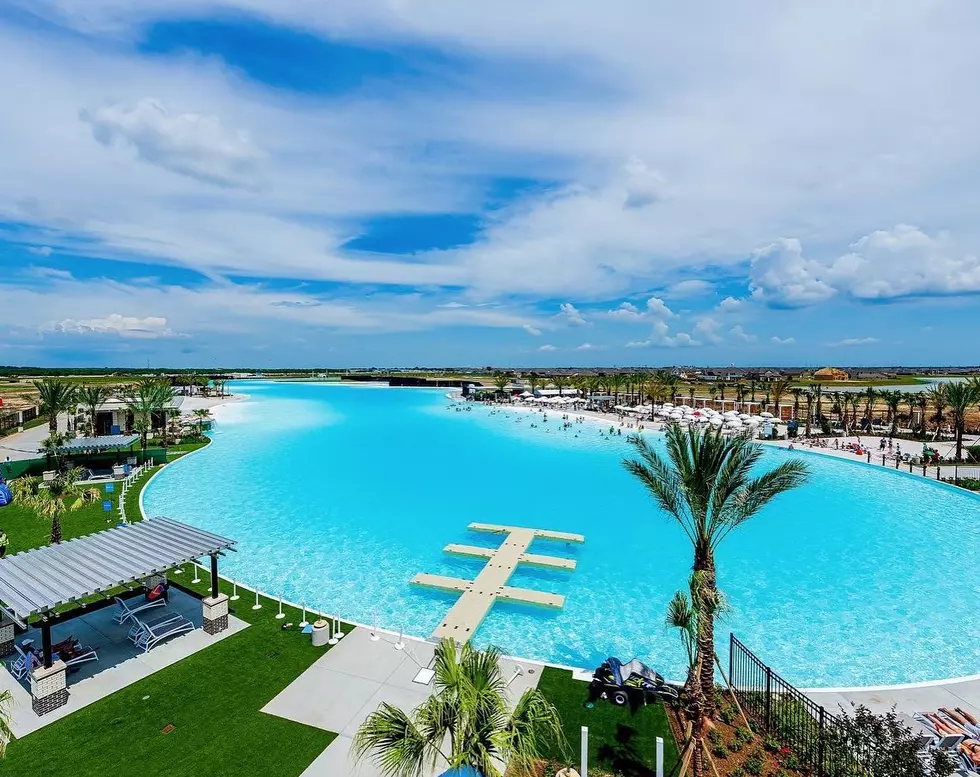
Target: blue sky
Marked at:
250, 182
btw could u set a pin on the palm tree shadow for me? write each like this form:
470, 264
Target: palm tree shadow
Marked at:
623, 756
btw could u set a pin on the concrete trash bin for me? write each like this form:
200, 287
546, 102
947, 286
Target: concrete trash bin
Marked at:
321, 633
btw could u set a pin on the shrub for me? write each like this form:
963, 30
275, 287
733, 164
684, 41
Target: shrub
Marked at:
719, 751
771, 744
715, 737
735, 745
743, 734
738, 771
727, 714
793, 762
754, 763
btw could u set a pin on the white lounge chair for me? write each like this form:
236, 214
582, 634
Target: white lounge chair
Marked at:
127, 608
154, 632
85, 654
139, 626
24, 663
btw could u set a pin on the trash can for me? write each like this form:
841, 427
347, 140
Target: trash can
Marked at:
321, 633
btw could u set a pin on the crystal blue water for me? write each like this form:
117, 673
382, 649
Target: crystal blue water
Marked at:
340, 494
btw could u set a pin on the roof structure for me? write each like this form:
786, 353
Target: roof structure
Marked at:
107, 442
37, 581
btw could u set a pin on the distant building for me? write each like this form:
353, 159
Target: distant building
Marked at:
831, 374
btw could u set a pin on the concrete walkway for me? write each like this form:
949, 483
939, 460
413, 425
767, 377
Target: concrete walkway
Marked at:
914, 697
348, 683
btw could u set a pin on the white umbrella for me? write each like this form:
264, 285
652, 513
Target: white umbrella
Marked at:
526, 394
716, 421
744, 416
767, 414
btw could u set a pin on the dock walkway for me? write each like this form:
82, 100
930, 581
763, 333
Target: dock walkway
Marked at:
477, 596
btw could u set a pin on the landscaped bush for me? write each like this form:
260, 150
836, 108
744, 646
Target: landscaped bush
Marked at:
753, 764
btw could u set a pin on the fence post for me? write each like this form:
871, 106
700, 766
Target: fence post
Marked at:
585, 751
820, 745
660, 757
768, 699
938, 477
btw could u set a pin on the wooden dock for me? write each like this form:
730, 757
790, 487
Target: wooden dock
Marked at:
477, 596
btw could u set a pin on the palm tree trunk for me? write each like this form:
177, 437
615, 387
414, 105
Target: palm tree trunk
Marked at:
706, 640
53, 424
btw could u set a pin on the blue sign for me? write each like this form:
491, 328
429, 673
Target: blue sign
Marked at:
107, 506
110, 487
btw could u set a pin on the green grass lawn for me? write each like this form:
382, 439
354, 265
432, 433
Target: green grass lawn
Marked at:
619, 740
212, 699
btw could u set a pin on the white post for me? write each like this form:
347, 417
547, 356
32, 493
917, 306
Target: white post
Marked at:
234, 591
256, 606
400, 644
374, 632
584, 771
304, 623
337, 631
280, 615
197, 577
660, 757
333, 634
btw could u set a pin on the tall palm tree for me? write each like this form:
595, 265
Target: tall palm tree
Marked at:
961, 397
56, 396
615, 383
853, 398
817, 390
939, 400
752, 387
466, 723
893, 400
713, 393
808, 396
559, 382
740, 395
534, 381
870, 395
149, 396
92, 397
51, 500
707, 485
202, 414
796, 391
779, 389
501, 381
691, 391
922, 405
681, 616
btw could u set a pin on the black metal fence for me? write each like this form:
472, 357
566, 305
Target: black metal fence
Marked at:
819, 739
12, 419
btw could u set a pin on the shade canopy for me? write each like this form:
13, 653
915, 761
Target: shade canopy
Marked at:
106, 442
37, 581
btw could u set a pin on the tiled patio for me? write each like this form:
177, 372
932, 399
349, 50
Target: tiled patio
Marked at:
120, 662
349, 682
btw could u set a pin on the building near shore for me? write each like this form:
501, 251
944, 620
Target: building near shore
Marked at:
831, 374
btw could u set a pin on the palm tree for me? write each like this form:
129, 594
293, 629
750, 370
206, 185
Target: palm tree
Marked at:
870, 395
466, 723
615, 383
707, 485
6, 702
961, 397
53, 499
893, 400
713, 393
740, 395
817, 391
808, 396
501, 381
148, 397
559, 382
534, 381
922, 405
691, 391
56, 396
681, 616
779, 389
853, 398
92, 397
202, 414
752, 385
938, 398
796, 391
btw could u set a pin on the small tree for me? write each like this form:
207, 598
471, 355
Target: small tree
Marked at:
6, 701
887, 746
53, 499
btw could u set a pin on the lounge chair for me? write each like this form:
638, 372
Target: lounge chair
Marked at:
139, 626
154, 632
24, 663
83, 655
128, 608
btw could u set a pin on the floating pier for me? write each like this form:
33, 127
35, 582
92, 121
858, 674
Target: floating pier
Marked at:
477, 596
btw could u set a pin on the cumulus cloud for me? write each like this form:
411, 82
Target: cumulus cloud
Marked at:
729, 305
852, 341
644, 185
780, 275
189, 144
40, 250
775, 340
739, 335
707, 329
655, 308
548, 347
571, 315
532, 330
150, 327
661, 337
587, 347
689, 288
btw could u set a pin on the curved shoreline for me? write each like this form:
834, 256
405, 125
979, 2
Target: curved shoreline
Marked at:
605, 422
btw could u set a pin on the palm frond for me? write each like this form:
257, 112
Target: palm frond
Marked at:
390, 737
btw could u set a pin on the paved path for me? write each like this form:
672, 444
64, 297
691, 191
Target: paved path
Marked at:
349, 682
24, 445
907, 699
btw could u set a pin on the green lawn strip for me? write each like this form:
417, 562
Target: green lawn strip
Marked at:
618, 739
213, 699
132, 502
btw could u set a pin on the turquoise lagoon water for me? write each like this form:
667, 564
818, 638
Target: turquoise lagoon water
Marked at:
340, 494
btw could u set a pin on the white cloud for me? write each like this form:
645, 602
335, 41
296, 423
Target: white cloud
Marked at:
656, 307
532, 330
661, 337
739, 335
626, 311
781, 276
571, 315
40, 250
643, 185
688, 288
588, 347
852, 341
124, 326
548, 347
775, 340
188, 144
707, 329
729, 305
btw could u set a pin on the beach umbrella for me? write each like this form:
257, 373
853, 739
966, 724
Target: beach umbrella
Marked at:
767, 414
744, 416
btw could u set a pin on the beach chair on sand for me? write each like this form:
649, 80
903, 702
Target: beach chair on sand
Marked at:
151, 633
128, 608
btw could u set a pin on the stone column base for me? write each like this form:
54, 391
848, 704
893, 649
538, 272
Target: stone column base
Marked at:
215, 613
49, 688
6, 636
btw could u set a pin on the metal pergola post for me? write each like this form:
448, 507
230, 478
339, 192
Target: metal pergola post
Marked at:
46, 642
214, 574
